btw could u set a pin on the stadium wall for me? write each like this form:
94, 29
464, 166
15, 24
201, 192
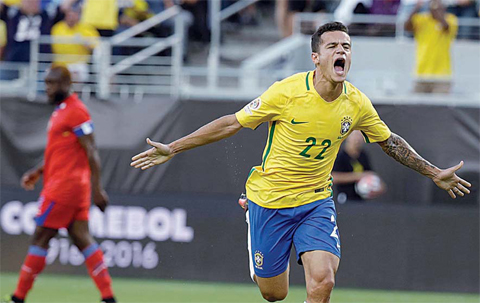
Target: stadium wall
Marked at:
181, 221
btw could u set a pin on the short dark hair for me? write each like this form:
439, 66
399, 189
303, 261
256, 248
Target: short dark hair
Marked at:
327, 27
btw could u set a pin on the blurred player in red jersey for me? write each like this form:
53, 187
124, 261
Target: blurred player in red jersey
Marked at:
71, 170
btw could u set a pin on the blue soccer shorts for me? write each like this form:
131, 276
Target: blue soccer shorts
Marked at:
273, 231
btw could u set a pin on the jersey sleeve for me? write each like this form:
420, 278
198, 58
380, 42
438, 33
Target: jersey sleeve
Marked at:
80, 122
453, 26
268, 107
371, 126
417, 21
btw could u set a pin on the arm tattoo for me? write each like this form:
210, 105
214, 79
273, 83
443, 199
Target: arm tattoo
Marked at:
397, 148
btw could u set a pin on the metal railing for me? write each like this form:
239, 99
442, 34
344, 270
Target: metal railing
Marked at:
254, 69
108, 71
217, 15
395, 23
143, 72
123, 65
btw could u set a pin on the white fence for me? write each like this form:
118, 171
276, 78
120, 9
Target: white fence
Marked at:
140, 71
123, 65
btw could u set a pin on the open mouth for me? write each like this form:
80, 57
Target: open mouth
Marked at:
339, 65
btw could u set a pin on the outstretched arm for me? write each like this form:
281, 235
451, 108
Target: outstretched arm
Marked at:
216, 130
397, 148
409, 23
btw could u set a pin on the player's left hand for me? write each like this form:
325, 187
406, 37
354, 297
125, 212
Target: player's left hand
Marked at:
100, 198
453, 184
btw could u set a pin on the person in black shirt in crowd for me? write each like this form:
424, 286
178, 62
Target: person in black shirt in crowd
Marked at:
351, 166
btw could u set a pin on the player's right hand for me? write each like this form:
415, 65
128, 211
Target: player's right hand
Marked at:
100, 198
158, 154
29, 179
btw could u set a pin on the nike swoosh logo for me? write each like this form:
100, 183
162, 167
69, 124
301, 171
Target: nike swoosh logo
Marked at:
295, 122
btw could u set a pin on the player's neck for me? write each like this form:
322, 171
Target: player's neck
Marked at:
329, 91
60, 99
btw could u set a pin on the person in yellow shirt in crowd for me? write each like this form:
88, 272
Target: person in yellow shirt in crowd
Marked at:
434, 32
75, 51
138, 11
3, 37
101, 14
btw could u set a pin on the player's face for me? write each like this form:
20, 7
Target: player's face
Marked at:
56, 88
334, 56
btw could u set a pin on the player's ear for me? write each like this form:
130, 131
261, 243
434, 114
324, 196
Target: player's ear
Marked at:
315, 58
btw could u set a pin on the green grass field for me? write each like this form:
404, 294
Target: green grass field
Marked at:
75, 289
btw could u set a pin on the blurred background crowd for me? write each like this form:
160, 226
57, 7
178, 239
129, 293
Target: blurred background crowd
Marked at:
24, 20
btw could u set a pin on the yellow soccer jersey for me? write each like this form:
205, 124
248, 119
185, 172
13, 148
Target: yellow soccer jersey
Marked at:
73, 53
433, 45
304, 136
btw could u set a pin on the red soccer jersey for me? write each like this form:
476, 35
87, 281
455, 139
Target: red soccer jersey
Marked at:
66, 174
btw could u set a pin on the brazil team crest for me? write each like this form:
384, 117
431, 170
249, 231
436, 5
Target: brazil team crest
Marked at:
345, 125
258, 259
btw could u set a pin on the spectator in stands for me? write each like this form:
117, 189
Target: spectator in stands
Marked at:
135, 12
464, 9
434, 32
74, 56
351, 165
103, 15
3, 38
285, 11
405, 10
25, 23
384, 7
199, 30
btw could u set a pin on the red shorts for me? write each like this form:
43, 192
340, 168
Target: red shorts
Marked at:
55, 216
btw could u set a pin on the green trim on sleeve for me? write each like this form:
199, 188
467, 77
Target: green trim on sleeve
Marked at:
365, 137
250, 173
269, 146
306, 81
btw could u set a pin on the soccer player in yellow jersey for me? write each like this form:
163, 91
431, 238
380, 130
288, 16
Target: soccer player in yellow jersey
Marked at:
289, 194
